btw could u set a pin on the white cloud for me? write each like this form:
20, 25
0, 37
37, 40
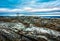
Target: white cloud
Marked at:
40, 9
30, 9
9, 10
27, 8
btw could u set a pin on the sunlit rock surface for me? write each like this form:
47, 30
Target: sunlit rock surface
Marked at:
19, 31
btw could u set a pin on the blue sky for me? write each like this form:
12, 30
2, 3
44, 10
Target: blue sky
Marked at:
29, 7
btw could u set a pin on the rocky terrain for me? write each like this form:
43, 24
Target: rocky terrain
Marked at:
29, 28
